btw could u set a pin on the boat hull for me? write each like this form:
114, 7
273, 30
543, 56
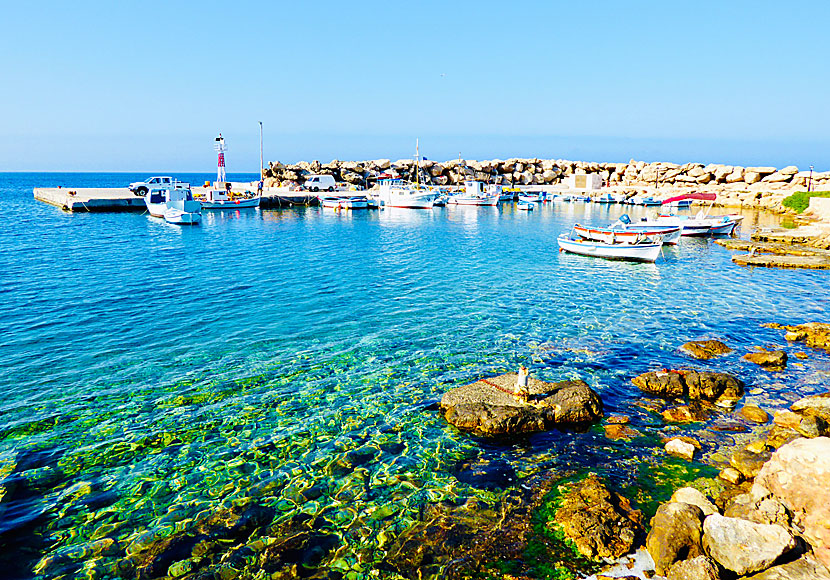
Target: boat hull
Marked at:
460, 200
345, 203
629, 234
644, 252
231, 203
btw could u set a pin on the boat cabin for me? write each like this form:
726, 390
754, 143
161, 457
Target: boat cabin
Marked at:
166, 194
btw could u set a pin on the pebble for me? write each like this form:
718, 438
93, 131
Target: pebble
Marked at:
731, 475
754, 413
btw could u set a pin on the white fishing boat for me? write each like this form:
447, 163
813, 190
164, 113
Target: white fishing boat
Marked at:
395, 192
221, 194
523, 205
646, 250
351, 202
605, 198
623, 230
476, 193
530, 197
700, 224
176, 205
184, 212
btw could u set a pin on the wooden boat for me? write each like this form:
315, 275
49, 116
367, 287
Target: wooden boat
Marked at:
701, 224
530, 197
645, 250
217, 198
624, 231
350, 202
605, 198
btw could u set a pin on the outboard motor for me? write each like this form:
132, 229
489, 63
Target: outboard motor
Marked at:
625, 219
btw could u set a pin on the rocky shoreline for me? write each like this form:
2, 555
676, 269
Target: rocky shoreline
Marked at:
736, 186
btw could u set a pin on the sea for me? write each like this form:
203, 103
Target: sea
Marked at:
152, 375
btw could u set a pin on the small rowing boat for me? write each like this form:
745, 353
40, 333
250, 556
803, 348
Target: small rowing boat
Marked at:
645, 250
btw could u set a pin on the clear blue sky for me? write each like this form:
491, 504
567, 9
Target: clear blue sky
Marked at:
145, 86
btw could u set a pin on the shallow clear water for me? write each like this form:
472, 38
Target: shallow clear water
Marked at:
150, 369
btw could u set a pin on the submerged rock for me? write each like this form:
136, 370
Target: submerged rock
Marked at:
680, 448
602, 524
488, 407
798, 475
769, 359
749, 462
705, 349
754, 413
676, 534
744, 547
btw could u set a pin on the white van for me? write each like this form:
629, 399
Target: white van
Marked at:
320, 183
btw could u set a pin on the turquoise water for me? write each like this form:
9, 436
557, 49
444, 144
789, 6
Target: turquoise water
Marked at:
153, 374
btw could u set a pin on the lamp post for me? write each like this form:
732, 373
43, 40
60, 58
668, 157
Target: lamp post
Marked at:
810, 180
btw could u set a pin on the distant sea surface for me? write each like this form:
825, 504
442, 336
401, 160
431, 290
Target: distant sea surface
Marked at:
150, 369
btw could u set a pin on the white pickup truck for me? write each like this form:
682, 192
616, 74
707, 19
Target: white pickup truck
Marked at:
141, 188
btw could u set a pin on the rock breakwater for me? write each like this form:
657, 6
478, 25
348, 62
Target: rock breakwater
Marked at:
737, 186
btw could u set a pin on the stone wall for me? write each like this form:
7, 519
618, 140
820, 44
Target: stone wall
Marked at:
736, 185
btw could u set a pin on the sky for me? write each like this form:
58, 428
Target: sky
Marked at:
146, 86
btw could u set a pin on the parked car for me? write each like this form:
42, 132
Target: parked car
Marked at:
140, 188
320, 183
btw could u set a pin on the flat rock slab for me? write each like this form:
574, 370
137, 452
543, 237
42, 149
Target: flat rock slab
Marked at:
489, 407
770, 261
769, 248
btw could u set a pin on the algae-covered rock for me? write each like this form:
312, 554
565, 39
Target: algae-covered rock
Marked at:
676, 534
601, 523
814, 334
489, 407
705, 349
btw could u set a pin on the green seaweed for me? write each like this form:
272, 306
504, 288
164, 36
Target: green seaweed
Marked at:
801, 199
658, 482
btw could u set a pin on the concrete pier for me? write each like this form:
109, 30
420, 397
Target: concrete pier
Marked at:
121, 199
90, 199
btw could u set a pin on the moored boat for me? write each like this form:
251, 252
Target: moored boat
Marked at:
350, 202
523, 205
624, 230
530, 197
645, 250
605, 198
221, 195
475, 193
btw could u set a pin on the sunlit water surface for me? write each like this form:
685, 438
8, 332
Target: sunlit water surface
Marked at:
154, 369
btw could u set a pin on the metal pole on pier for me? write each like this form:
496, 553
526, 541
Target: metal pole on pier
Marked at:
261, 164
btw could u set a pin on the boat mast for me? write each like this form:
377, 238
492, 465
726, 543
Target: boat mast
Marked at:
261, 164
417, 166
220, 162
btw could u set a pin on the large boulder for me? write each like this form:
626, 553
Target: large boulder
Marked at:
676, 534
749, 461
490, 407
805, 568
814, 334
798, 475
602, 524
692, 496
744, 547
814, 405
705, 349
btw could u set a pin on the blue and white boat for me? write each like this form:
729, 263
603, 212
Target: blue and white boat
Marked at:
175, 205
523, 205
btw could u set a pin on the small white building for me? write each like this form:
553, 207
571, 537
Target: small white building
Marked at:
590, 181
